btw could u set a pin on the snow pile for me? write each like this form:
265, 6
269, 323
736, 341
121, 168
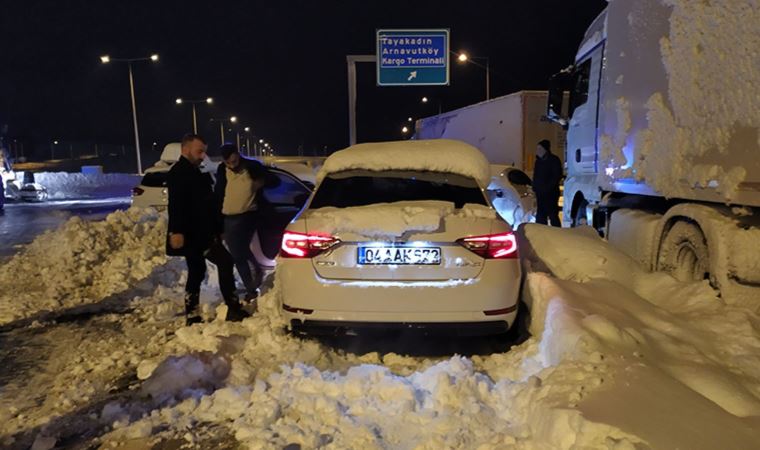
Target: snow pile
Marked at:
282, 391
605, 334
63, 185
84, 262
435, 155
397, 218
681, 356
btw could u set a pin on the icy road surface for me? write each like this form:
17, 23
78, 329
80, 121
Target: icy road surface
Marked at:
94, 355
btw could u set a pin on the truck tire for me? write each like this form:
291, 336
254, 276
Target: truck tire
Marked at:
684, 253
580, 218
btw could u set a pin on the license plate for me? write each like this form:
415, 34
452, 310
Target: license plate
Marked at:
399, 255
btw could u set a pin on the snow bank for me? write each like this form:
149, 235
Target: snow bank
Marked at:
436, 155
391, 220
84, 262
63, 185
677, 333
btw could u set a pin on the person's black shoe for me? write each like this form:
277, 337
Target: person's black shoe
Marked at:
251, 297
191, 320
236, 313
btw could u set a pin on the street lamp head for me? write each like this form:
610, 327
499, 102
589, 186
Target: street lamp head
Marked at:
463, 57
261, 141
178, 101
154, 57
405, 130
424, 99
266, 145
247, 129
105, 59
233, 119
409, 119
209, 100
55, 142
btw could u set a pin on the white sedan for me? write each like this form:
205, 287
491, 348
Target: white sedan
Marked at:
401, 234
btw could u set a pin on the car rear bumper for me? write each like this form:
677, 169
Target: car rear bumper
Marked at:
311, 301
448, 329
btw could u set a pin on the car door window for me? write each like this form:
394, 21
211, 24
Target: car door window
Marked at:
290, 191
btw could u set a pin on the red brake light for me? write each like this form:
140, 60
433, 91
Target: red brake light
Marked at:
137, 191
493, 246
299, 245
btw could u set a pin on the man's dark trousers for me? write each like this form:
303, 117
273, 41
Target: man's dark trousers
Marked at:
196, 271
547, 208
238, 233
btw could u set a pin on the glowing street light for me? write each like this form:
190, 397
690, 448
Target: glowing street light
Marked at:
105, 59
424, 99
208, 101
405, 129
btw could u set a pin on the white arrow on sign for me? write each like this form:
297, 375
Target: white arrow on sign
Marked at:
412, 75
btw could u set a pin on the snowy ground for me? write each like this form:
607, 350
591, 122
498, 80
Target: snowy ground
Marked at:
94, 355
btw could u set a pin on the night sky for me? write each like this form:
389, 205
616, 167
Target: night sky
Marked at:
280, 67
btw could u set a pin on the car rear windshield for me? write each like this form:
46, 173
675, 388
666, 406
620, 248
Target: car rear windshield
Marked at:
360, 188
155, 179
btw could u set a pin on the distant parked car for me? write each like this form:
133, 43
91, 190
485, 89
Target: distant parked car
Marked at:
511, 194
33, 192
401, 235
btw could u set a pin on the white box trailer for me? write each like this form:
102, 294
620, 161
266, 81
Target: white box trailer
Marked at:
663, 119
506, 129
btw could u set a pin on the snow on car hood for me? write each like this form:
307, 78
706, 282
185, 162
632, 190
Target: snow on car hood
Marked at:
390, 219
435, 155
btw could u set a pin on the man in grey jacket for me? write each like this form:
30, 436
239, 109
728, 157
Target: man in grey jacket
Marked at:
239, 188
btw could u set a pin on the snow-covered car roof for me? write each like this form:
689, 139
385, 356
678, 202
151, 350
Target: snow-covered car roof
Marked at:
436, 155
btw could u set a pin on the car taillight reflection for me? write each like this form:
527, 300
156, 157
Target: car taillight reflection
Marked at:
492, 246
299, 245
136, 191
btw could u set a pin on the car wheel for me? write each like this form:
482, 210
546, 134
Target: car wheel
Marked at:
684, 253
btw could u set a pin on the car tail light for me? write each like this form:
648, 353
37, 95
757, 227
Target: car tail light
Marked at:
299, 245
492, 246
136, 191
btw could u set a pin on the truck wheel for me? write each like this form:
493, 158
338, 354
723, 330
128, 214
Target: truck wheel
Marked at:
581, 218
684, 253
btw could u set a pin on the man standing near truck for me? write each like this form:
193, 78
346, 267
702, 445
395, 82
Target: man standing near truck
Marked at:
547, 175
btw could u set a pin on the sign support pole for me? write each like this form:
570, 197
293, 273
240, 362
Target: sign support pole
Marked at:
351, 60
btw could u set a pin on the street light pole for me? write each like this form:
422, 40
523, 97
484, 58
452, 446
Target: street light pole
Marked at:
105, 59
232, 119
464, 57
195, 121
208, 100
134, 117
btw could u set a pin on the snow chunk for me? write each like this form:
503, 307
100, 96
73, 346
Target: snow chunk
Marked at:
391, 219
435, 155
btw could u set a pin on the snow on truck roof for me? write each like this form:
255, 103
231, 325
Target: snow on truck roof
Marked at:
434, 155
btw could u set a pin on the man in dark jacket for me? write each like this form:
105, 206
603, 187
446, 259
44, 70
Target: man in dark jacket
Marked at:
195, 227
546, 178
239, 190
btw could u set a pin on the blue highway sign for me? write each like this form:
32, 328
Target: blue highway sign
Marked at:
412, 57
